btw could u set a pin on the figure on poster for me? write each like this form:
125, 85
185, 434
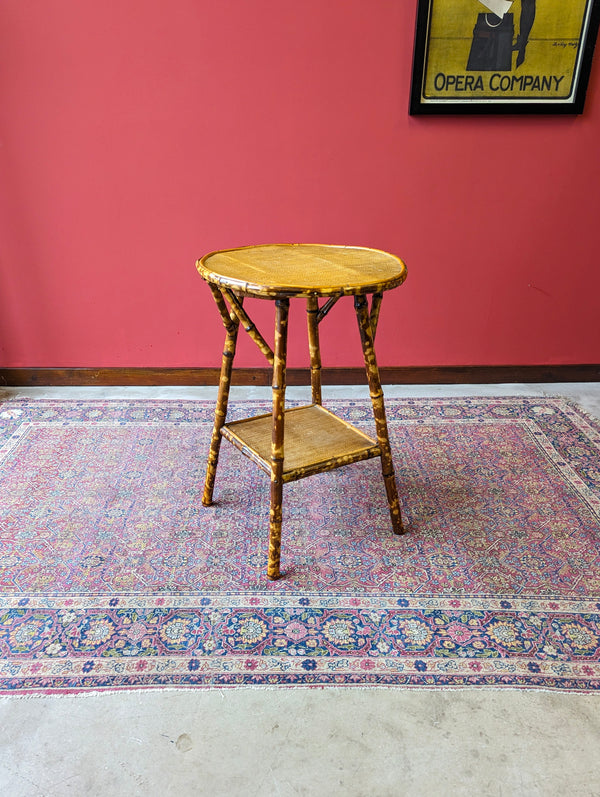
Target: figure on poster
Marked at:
492, 45
525, 24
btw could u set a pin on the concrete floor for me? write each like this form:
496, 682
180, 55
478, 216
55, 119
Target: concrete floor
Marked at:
347, 742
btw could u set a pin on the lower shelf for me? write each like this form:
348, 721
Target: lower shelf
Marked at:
315, 441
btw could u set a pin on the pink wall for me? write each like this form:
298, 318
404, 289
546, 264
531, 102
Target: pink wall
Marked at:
138, 135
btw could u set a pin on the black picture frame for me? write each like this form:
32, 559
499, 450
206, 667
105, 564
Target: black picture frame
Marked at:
465, 64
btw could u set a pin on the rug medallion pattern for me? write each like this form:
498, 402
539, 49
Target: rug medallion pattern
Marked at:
113, 575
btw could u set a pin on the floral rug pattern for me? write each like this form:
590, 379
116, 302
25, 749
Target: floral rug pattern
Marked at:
113, 575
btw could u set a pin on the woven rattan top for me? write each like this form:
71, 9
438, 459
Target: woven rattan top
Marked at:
276, 270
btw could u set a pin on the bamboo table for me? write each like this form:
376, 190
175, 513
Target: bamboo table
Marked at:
294, 443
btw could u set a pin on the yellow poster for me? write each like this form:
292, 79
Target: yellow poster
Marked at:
503, 52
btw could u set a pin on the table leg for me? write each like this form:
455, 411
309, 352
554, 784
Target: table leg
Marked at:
277, 448
221, 410
312, 309
387, 465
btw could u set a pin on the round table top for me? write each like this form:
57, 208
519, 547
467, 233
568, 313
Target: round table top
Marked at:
279, 270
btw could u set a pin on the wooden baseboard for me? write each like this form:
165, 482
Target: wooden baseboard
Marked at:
404, 375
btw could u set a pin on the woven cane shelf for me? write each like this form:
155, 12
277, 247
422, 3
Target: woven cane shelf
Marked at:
315, 441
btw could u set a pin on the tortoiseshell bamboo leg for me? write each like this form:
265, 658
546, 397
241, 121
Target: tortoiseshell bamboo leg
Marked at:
387, 465
282, 311
312, 309
221, 410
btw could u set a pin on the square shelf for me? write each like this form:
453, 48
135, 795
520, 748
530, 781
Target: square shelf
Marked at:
315, 440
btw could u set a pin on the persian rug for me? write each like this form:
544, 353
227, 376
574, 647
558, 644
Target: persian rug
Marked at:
113, 575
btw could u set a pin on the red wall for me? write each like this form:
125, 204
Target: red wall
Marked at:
138, 135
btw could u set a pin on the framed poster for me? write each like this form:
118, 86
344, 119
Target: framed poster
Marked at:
503, 56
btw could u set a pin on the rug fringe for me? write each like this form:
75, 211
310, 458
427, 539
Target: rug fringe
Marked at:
81, 695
